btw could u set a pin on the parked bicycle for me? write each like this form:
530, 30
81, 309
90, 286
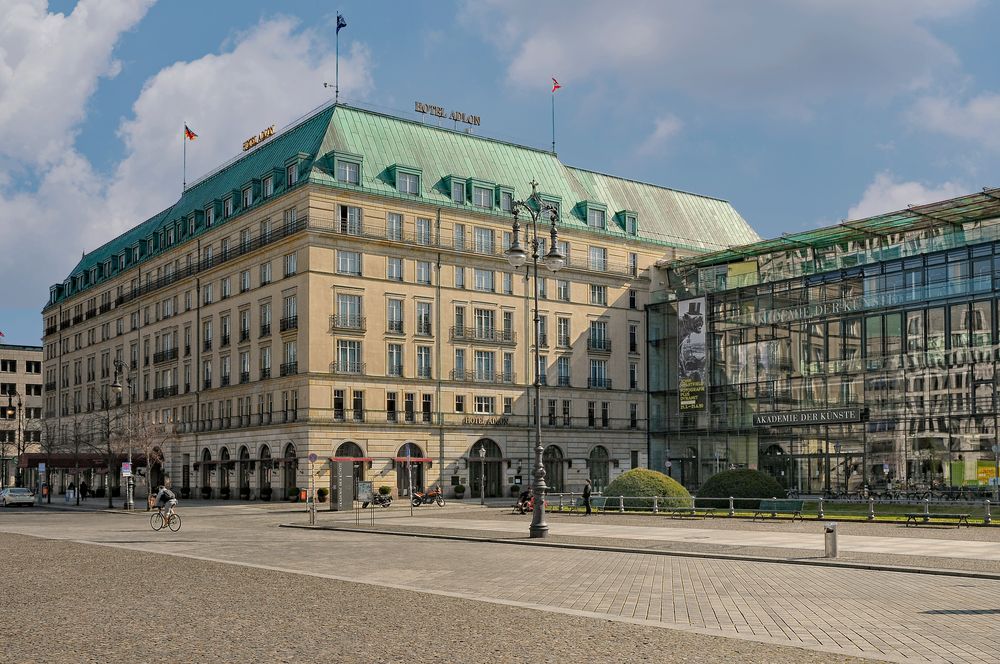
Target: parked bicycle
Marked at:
157, 522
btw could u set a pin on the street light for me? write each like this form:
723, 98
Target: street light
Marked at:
14, 412
482, 474
534, 207
122, 370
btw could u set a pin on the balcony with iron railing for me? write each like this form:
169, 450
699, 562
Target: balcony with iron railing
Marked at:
224, 381
91, 312
424, 329
244, 336
289, 323
394, 370
489, 335
599, 383
598, 344
348, 367
225, 341
424, 372
207, 345
289, 368
265, 373
163, 392
499, 377
164, 355
564, 381
265, 329
394, 327
206, 384
244, 377
347, 323
105, 308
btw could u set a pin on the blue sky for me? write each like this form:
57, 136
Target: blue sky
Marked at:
799, 113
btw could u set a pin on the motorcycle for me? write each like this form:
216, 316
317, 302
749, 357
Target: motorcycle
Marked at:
378, 499
435, 495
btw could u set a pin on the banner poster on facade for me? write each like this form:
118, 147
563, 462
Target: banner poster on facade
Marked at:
692, 360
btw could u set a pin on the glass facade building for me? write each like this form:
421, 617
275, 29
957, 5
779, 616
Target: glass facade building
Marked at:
860, 354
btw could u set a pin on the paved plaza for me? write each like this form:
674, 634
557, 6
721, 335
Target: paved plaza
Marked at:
712, 609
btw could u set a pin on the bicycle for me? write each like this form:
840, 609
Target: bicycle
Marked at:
157, 522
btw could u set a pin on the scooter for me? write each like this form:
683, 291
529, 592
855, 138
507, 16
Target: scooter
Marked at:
435, 495
380, 500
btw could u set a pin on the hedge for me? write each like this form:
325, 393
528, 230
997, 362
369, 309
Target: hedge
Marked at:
645, 482
743, 483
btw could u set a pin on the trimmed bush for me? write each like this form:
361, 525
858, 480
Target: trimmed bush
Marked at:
322, 493
459, 491
743, 483
645, 482
385, 489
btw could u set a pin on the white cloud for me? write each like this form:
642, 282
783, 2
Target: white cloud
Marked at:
786, 55
49, 66
886, 194
270, 74
973, 120
664, 128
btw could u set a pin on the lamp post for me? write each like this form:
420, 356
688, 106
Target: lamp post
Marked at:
534, 207
15, 411
837, 448
122, 371
482, 474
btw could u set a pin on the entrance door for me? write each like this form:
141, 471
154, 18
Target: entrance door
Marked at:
403, 473
553, 460
264, 474
353, 451
489, 469
291, 469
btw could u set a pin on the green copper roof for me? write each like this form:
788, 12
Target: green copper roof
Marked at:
665, 216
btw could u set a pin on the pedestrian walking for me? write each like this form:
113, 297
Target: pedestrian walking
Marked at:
83, 490
586, 497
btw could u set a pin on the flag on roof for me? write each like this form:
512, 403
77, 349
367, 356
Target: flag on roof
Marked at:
341, 23
1, 333
555, 85
190, 135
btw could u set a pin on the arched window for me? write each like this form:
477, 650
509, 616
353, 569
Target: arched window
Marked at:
403, 473
206, 468
224, 463
552, 457
264, 476
351, 450
291, 468
244, 472
490, 470
599, 467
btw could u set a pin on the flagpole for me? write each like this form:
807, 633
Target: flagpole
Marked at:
553, 121
336, 81
185, 150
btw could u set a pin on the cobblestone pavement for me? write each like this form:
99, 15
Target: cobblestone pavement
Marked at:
131, 606
887, 615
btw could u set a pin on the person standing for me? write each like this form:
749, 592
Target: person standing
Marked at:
586, 497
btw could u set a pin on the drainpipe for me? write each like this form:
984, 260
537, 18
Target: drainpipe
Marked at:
437, 353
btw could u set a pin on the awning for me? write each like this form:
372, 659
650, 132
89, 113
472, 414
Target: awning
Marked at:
367, 459
413, 459
476, 457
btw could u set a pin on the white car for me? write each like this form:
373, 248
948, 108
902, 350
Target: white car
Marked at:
17, 496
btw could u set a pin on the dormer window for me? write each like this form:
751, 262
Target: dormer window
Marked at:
170, 236
408, 183
595, 218
191, 224
268, 186
227, 207
482, 197
247, 197
209, 216
121, 262
348, 172
506, 201
291, 174
135, 254
458, 192
631, 224
149, 246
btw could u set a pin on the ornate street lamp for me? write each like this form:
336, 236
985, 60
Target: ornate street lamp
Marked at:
482, 474
534, 207
122, 370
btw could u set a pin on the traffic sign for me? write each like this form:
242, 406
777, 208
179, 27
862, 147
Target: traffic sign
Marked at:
126, 469
312, 457
41, 468
667, 464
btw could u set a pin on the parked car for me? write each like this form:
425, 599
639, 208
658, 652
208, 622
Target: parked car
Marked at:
17, 496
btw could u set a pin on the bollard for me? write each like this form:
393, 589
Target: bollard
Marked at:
987, 519
656, 504
732, 511
830, 535
621, 504
871, 508
820, 514
927, 509
560, 502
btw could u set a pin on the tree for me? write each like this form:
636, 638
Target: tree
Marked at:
74, 437
51, 443
150, 438
106, 424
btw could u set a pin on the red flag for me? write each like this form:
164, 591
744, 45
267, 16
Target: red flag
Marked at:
1, 333
190, 135
555, 85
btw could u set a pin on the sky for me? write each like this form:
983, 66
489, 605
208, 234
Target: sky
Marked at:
801, 113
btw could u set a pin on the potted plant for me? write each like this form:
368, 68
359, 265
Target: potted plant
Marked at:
206, 492
244, 493
515, 490
293, 494
322, 493
265, 492
459, 491
385, 490
224, 493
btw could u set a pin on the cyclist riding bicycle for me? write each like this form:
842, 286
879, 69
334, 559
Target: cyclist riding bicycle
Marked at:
165, 498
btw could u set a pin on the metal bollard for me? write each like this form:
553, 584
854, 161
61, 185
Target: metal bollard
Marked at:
927, 509
871, 508
656, 504
830, 537
560, 502
820, 514
621, 504
987, 519
732, 510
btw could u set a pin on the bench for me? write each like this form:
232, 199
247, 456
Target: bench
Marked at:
681, 512
774, 507
917, 518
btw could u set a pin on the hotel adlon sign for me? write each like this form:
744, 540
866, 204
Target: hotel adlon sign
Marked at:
807, 417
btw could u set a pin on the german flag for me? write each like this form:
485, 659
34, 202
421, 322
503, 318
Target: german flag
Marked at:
190, 135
